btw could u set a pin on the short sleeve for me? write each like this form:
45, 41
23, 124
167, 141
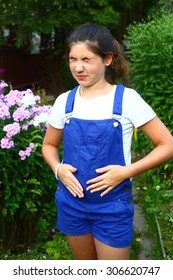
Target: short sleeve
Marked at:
136, 109
57, 115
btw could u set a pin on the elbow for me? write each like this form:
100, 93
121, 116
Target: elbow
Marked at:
170, 149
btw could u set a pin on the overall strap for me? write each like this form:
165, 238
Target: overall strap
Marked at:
118, 98
117, 108
70, 101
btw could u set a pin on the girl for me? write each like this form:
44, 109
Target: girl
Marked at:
96, 121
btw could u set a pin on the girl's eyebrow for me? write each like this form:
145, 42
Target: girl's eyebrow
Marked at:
82, 58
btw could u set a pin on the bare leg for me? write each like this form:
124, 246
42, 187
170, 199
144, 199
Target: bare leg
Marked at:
82, 247
106, 252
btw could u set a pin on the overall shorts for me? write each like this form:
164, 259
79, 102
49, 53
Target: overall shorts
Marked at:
88, 145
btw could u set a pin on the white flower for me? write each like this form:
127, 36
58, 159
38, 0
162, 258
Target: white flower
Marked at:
42, 118
28, 99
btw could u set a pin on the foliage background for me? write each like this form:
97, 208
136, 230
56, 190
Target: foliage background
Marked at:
53, 20
151, 59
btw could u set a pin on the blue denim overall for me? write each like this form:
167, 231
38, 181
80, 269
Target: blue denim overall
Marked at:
88, 145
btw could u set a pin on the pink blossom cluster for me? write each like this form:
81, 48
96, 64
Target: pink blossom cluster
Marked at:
12, 129
6, 143
18, 111
26, 153
21, 114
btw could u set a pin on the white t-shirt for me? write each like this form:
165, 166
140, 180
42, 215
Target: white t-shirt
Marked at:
135, 112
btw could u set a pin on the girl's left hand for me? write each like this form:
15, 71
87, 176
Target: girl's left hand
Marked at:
112, 175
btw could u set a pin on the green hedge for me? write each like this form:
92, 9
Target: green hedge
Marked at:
151, 47
151, 58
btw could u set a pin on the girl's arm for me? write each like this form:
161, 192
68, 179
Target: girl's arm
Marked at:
50, 146
113, 175
163, 151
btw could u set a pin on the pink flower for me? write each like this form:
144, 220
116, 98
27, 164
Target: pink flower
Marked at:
21, 114
12, 98
12, 129
18, 112
28, 151
22, 155
4, 113
31, 145
6, 143
25, 126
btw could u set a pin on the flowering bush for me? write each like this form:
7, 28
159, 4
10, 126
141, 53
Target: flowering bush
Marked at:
26, 182
20, 115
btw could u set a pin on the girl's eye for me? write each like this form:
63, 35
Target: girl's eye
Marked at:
88, 60
72, 59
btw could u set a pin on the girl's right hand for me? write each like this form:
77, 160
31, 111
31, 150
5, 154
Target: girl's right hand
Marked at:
65, 173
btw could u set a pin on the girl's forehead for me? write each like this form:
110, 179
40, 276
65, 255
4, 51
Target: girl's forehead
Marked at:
80, 47
87, 44
79, 44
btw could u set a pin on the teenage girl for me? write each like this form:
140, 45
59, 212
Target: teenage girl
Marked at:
96, 121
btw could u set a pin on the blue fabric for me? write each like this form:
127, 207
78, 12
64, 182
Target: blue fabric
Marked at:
90, 144
110, 221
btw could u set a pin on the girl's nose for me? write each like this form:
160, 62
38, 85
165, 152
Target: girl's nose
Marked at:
79, 67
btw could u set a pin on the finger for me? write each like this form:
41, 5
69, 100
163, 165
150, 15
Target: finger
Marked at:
75, 188
77, 184
71, 191
93, 186
106, 191
75, 192
97, 189
103, 169
72, 168
70, 181
95, 180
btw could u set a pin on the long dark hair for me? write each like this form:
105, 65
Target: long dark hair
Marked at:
100, 41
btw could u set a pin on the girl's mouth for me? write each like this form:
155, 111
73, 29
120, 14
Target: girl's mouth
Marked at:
81, 77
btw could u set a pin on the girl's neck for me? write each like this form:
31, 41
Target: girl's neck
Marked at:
94, 91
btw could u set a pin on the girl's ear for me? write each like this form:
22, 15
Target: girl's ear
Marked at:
108, 59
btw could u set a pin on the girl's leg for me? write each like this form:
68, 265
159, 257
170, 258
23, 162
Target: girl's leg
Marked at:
106, 252
82, 247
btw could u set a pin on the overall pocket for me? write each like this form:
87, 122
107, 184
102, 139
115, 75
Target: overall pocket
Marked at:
124, 208
92, 154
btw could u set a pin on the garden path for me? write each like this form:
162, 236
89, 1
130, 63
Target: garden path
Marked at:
140, 228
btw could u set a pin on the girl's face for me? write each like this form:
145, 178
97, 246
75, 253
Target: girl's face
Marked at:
86, 67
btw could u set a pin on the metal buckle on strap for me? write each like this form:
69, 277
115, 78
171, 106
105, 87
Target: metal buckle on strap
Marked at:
68, 115
116, 116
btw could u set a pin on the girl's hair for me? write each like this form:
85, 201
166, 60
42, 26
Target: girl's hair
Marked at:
100, 41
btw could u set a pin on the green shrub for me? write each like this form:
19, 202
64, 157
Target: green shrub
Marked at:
151, 58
